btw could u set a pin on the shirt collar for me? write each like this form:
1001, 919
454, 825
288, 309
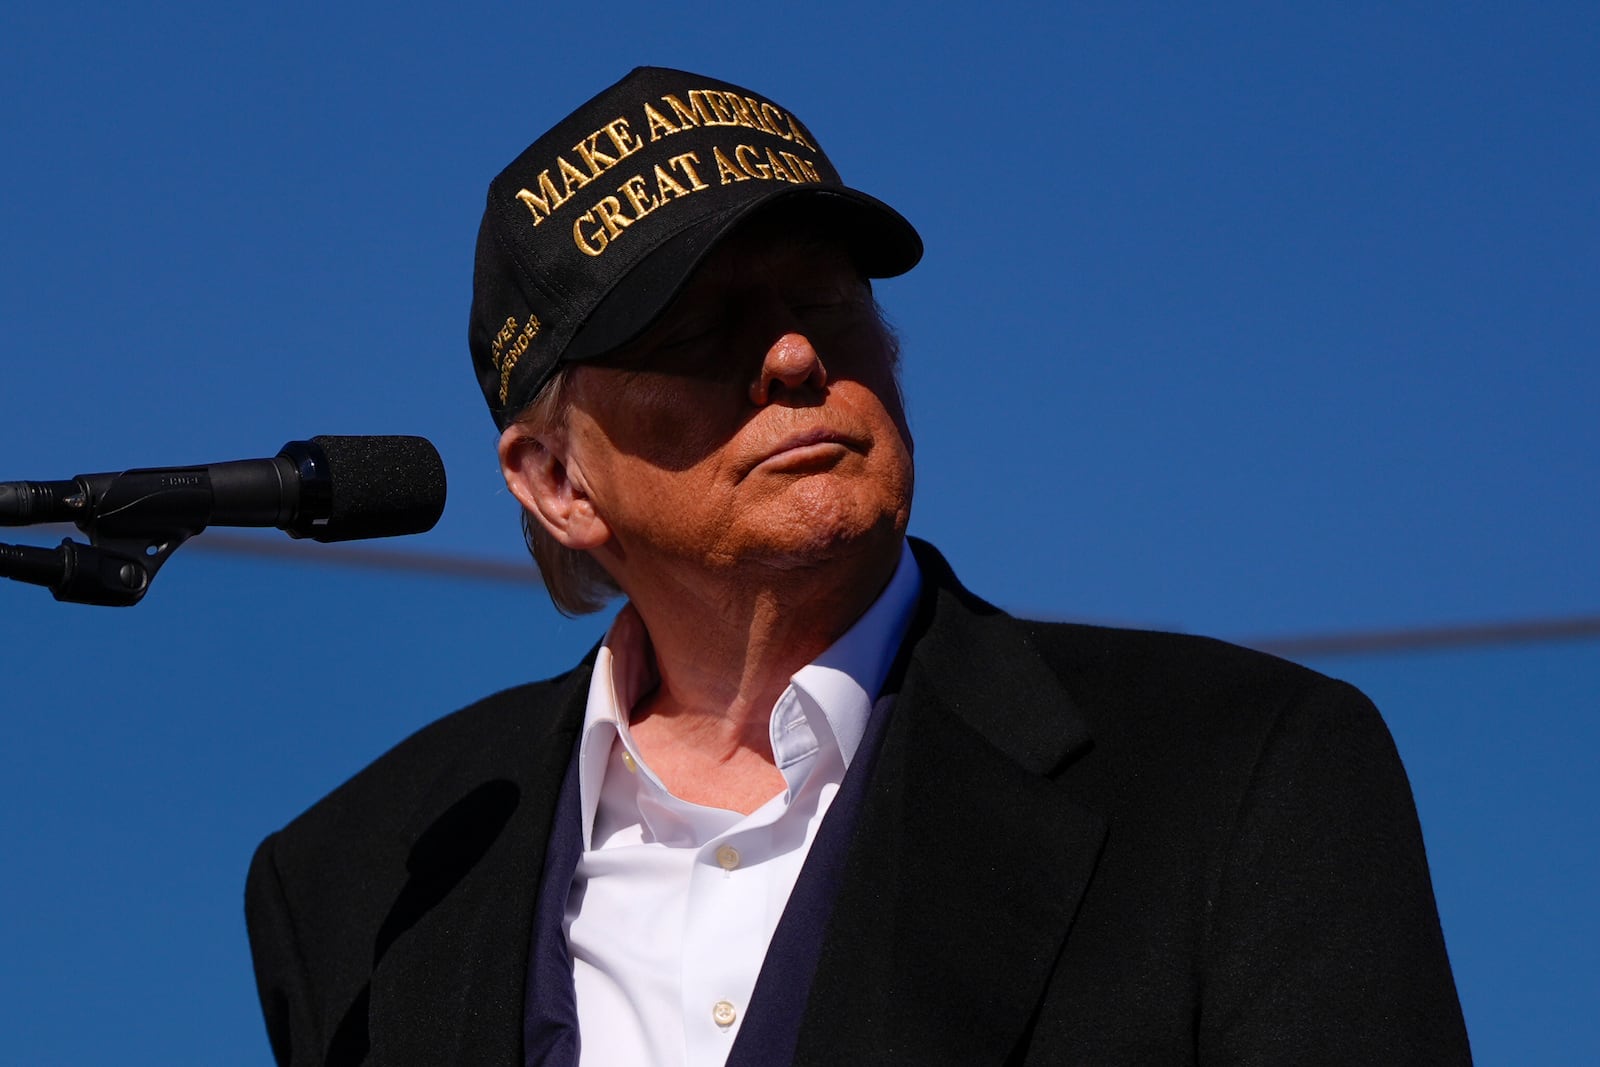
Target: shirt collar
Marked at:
843, 681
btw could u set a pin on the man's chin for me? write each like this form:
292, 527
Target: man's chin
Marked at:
814, 543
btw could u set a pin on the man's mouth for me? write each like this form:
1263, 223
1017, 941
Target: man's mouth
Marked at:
818, 448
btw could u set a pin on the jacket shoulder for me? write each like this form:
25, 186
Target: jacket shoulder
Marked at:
392, 785
1101, 664
1197, 697
319, 891
1154, 661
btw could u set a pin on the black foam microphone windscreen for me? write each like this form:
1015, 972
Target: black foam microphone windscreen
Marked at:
378, 487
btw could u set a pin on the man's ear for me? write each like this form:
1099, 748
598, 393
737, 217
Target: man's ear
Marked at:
536, 471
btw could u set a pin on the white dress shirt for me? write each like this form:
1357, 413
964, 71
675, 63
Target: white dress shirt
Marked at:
673, 903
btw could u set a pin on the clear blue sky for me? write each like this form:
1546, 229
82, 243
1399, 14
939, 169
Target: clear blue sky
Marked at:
1262, 319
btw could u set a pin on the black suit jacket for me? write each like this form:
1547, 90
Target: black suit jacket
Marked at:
1080, 846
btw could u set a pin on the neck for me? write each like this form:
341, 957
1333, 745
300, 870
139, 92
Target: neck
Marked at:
725, 646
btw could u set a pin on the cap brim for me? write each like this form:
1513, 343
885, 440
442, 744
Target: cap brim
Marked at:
880, 241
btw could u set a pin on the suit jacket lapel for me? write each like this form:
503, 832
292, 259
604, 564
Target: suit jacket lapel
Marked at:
969, 861
451, 964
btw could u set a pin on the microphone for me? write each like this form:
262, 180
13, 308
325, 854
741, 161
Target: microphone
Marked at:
328, 489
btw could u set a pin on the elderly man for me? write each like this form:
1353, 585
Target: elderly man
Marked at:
810, 801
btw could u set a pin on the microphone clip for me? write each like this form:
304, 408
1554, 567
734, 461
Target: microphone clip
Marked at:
113, 575
128, 544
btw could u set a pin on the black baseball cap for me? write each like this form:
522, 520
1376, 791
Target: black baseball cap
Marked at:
590, 233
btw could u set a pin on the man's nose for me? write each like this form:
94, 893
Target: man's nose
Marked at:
790, 363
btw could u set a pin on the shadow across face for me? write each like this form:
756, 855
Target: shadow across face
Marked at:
775, 318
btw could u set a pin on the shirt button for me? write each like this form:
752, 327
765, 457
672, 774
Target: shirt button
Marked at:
727, 859
722, 1014
627, 761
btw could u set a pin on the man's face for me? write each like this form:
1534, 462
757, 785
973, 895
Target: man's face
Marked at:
758, 421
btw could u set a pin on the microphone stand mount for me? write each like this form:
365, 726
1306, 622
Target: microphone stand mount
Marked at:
131, 534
